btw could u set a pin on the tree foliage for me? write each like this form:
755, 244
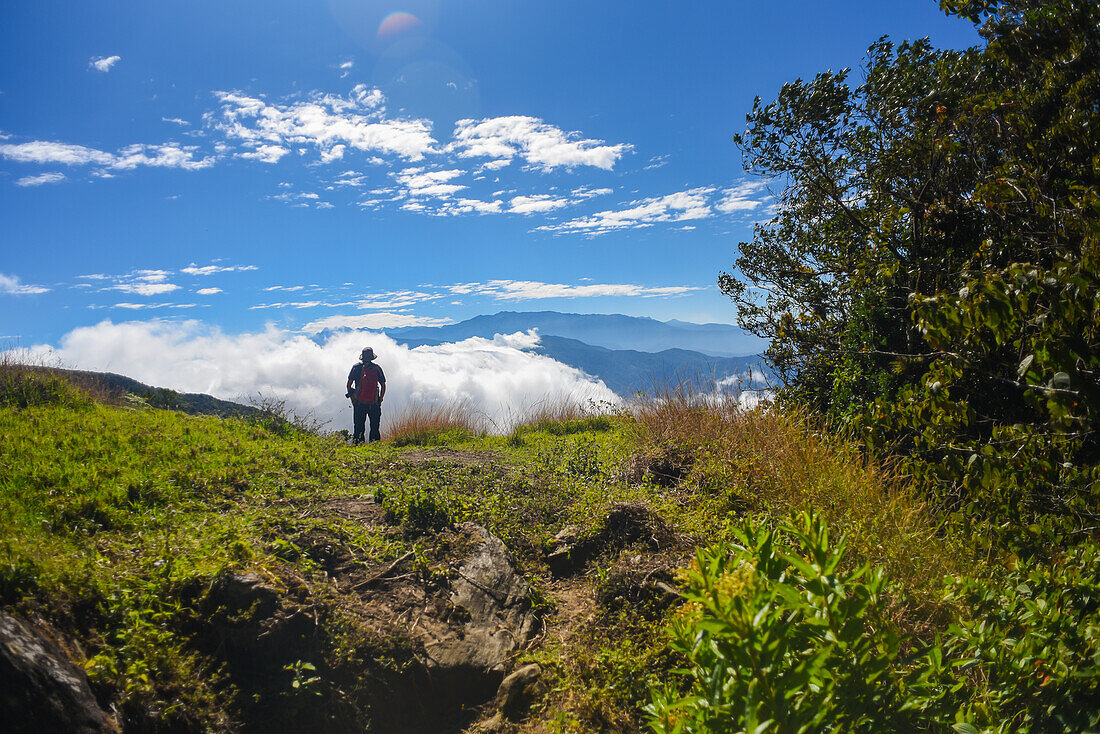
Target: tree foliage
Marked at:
932, 272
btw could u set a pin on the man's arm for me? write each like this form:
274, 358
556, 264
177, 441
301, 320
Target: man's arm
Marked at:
382, 392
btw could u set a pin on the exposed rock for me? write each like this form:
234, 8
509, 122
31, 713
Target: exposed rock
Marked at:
625, 525
41, 690
497, 602
519, 690
463, 619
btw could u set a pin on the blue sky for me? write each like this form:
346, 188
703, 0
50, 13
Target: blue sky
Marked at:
290, 165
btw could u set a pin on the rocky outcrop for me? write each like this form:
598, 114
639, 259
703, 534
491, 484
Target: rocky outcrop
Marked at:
439, 628
497, 610
467, 629
41, 690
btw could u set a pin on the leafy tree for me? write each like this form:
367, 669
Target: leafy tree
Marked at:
931, 273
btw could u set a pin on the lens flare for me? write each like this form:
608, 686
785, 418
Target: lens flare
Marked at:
396, 24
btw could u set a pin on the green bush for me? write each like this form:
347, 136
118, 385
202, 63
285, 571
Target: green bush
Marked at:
780, 637
1028, 644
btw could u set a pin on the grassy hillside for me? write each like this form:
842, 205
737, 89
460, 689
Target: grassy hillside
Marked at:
118, 521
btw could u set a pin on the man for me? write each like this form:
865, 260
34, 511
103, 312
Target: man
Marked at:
366, 395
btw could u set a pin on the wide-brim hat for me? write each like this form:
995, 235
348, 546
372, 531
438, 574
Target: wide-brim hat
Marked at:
368, 353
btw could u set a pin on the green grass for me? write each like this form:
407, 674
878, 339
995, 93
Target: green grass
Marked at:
115, 518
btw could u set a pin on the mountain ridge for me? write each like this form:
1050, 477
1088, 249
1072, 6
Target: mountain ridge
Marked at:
610, 331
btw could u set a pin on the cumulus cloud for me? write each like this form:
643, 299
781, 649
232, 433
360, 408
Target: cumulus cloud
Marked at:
419, 182
540, 144
529, 290
745, 196
208, 291
11, 285
166, 155
103, 63
40, 179
326, 122
678, 207
495, 377
266, 153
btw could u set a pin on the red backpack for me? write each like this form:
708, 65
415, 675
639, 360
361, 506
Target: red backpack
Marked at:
367, 391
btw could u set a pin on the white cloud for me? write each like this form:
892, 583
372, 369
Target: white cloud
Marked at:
528, 290
743, 197
176, 121
150, 276
419, 182
287, 304
103, 63
375, 321
324, 122
193, 269
41, 151
42, 178
145, 289
679, 207
540, 144
10, 285
265, 153
471, 206
494, 377
395, 299
536, 204
584, 192
166, 155
208, 291
152, 306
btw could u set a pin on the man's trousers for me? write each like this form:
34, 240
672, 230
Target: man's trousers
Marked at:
362, 411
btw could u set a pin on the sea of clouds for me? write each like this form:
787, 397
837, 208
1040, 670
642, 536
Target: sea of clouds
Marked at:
498, 379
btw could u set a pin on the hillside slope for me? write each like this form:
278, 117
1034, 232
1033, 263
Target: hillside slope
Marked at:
235, 575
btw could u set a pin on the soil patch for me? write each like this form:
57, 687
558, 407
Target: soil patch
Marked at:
464, 457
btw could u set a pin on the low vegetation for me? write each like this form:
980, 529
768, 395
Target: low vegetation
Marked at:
817, 587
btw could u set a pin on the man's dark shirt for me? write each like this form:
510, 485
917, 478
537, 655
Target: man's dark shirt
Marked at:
356, 374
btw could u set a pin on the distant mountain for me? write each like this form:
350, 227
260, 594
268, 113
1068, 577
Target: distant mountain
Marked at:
611, 331
628, 371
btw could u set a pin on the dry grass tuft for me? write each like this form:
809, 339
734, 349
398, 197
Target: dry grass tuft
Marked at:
554, 410
760, 459
421, 424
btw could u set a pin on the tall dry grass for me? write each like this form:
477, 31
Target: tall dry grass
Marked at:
426, 423
765, 459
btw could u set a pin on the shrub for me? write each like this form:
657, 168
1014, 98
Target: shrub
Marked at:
779, 637
1029, 644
